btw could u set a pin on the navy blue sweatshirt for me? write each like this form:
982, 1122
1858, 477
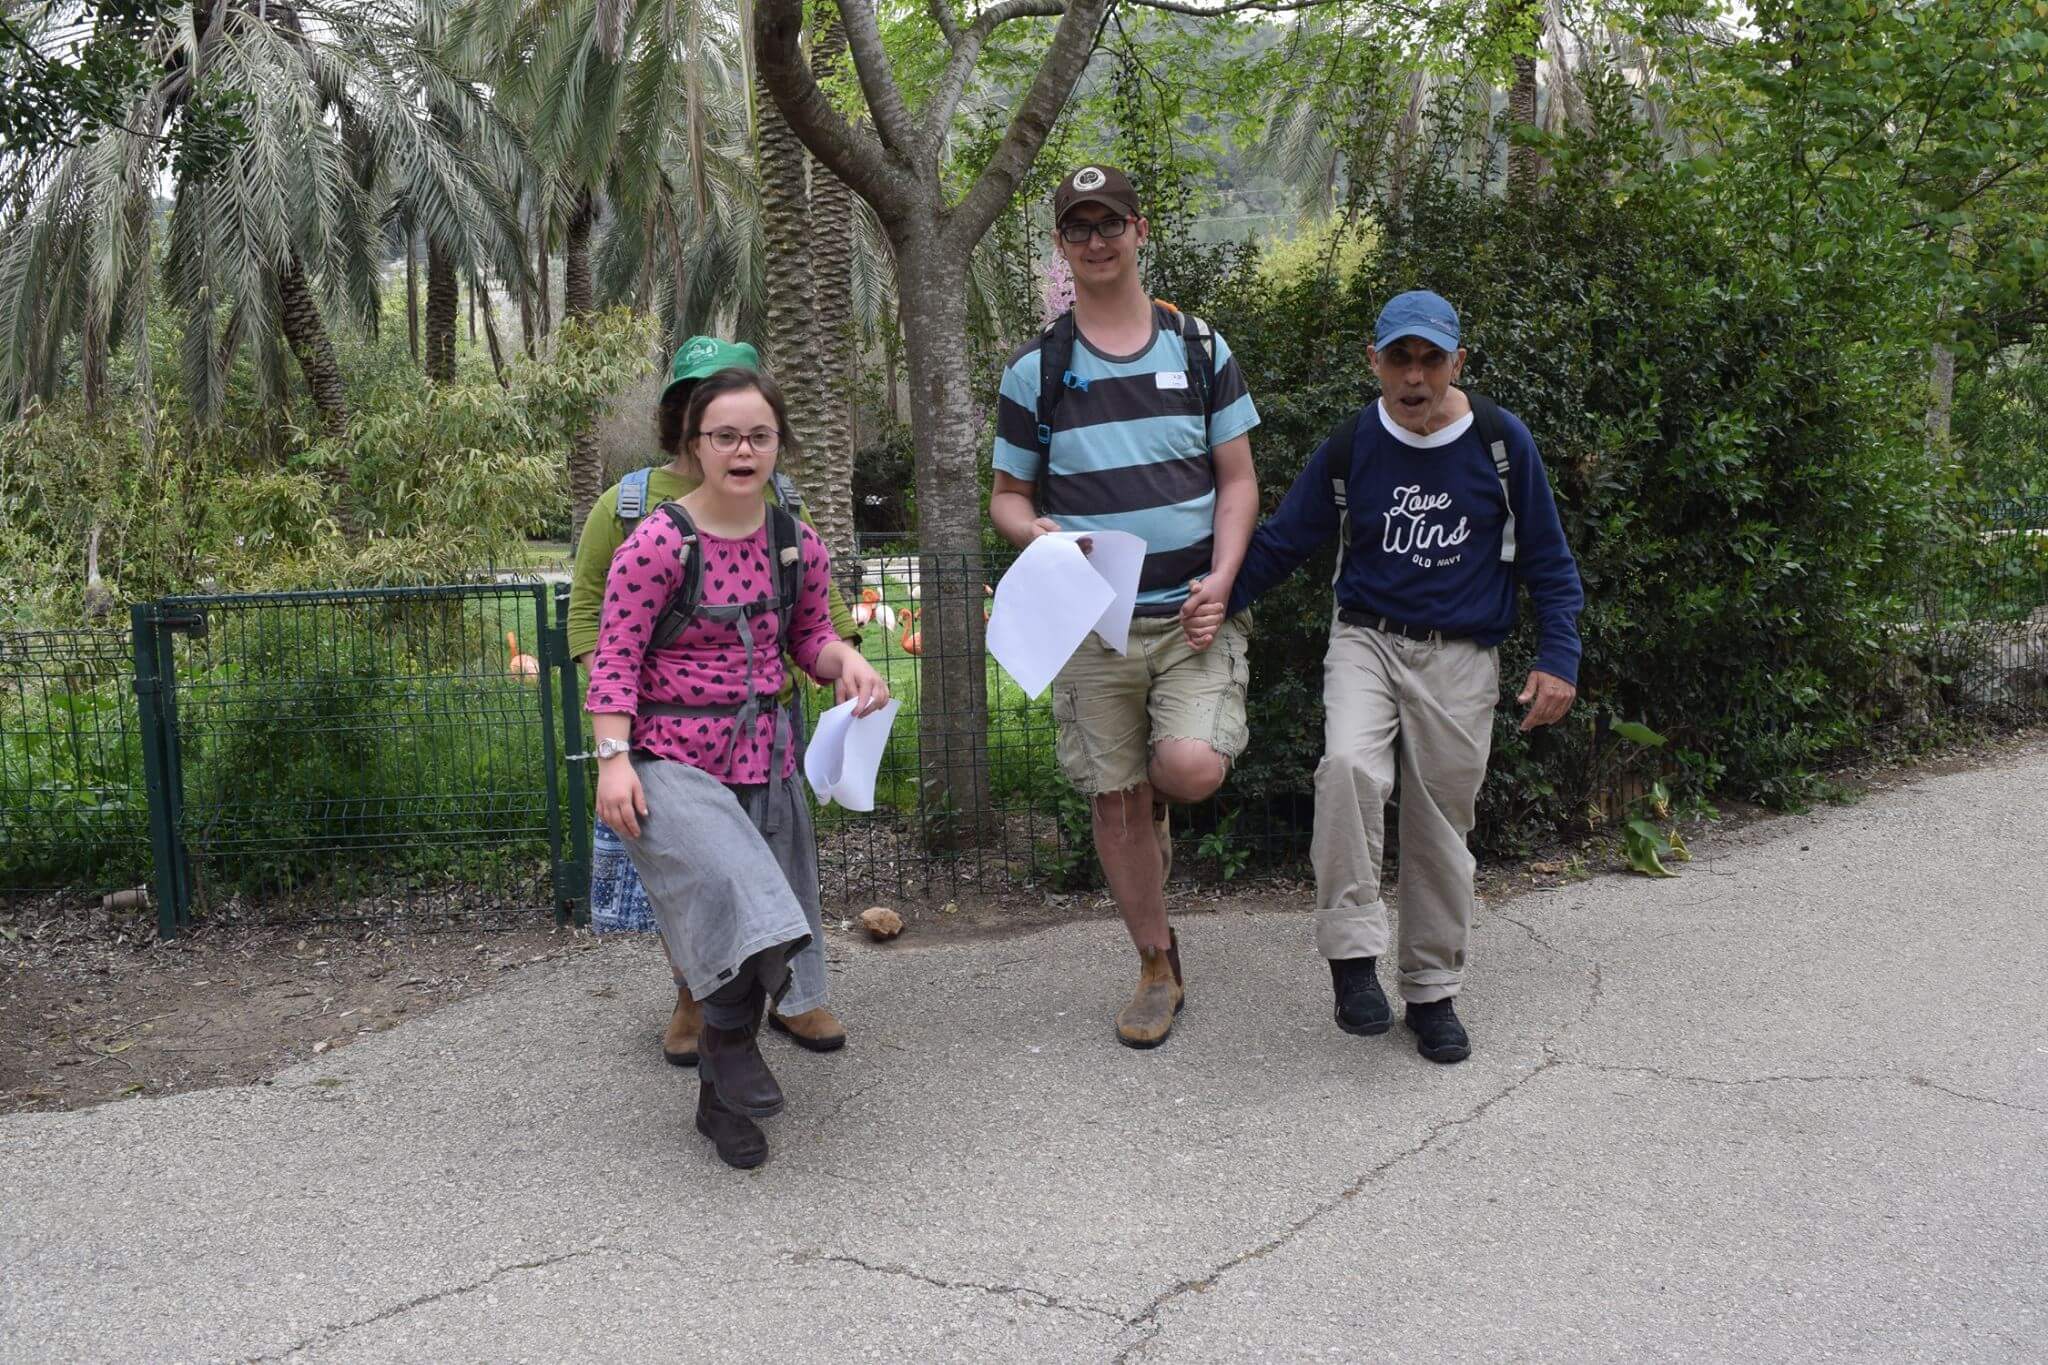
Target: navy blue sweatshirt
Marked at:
1426, 536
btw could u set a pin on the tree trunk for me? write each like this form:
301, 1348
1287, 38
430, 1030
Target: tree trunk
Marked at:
412, 296
305, 331
952, 677
785, 231
442, 299
1524, 166
586, 466
1941, 397
828, 465
479, 294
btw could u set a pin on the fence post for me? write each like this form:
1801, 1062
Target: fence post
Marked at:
157, 772
574, 896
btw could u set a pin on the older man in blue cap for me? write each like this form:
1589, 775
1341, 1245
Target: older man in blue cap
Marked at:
1441, 509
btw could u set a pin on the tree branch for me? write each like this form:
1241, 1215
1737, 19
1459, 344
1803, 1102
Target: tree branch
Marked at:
854, 155
942, 15
967, 44
877, 82
1256, 7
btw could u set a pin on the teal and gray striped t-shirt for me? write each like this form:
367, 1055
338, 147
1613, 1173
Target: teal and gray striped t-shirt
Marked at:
1129, 450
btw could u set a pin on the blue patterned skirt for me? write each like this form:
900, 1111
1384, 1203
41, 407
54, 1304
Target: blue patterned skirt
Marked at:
618, 903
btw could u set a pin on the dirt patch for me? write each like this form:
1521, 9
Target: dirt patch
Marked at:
93, 1010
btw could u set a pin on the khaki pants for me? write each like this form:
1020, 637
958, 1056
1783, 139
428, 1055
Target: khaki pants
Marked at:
1429, 707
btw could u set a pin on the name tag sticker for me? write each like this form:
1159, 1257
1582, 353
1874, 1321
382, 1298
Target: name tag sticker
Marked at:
1172, 379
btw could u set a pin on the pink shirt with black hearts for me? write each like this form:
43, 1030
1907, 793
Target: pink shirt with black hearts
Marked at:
706, 665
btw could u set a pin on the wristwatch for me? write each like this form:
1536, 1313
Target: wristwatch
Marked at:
611, 748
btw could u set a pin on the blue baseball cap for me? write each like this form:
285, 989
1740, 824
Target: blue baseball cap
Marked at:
1417, 313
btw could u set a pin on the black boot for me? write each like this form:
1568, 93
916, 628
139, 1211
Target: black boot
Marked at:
739, 1140
728, 1055
1361, 1005
1438, 1034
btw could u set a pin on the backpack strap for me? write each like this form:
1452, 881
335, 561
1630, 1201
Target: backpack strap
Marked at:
1055, 376
1343, 442
787, 494
1493, 434
1198, 339
682, 606
786, 554
633, 497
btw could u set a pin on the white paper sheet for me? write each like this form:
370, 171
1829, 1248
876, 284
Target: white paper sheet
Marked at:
1119, 557
845, 754
1054, 595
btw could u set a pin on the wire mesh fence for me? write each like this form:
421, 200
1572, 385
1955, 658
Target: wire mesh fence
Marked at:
384, 745
73, 806
406, 749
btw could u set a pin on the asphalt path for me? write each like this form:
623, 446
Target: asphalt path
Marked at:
1790, 1106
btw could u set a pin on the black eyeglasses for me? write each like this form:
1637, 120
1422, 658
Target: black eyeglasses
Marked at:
726, 440
1108, 228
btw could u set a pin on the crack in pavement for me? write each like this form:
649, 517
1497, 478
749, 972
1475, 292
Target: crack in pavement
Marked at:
1037, 1298
1863, 1078
1148, 1321
333, 1330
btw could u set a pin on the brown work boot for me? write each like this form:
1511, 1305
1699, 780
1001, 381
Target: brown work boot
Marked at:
679, 1039
1148, 1019
817, 1030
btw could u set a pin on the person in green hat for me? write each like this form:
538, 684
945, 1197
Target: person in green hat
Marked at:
618, 903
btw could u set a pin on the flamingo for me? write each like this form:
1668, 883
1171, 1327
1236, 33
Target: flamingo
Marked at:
522, 666
913, 640
864, 610
986, 606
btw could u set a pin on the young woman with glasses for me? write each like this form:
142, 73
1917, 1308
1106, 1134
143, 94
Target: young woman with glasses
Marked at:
696, 769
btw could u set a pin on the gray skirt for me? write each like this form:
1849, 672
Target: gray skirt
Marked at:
729, 870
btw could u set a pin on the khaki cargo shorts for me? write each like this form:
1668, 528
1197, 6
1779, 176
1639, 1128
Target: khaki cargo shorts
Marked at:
1112, 708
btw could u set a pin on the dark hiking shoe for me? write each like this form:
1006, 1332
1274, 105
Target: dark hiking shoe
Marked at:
1438, 1034
730, 1061
740, 1142
1361, 1005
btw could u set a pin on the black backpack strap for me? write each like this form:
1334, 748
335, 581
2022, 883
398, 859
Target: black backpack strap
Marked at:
682, 606
1055, 377
786, 554
1343, 439
789, 495
1198, 339
1493, 434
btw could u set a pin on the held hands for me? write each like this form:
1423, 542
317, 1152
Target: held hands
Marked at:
1551, 696
1201, 615
620, 800
858, 681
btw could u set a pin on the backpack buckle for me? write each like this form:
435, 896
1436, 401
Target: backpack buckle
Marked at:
1044, 434
1074, 381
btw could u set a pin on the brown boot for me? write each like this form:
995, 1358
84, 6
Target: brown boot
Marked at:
1148, 1019
679, 1039
817, 1030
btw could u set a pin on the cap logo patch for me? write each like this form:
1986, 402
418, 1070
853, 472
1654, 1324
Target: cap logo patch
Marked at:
1089, 178
702, 349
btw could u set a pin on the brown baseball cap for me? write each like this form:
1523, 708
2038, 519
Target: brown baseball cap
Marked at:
1104, 185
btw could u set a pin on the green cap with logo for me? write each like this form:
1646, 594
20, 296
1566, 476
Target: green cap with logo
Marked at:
701, 357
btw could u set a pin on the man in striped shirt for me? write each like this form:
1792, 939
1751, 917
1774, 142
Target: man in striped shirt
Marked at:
1149, 435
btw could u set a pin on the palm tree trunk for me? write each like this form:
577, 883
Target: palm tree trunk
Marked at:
442, 298
412, 296
785, 229
828, 489
305, 331
1524, 165
586, 465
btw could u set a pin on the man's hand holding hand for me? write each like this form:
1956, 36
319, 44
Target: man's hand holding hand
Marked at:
1547, 697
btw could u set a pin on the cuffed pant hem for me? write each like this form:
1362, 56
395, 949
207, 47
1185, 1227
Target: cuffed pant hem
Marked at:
1425, 988
1346, 931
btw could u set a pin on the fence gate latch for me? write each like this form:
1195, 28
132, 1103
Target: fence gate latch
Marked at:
190, 622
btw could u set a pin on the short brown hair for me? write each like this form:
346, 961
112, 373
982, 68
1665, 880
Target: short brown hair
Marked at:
715, 386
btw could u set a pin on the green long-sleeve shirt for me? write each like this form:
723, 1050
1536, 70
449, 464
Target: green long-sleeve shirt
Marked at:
602, 536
